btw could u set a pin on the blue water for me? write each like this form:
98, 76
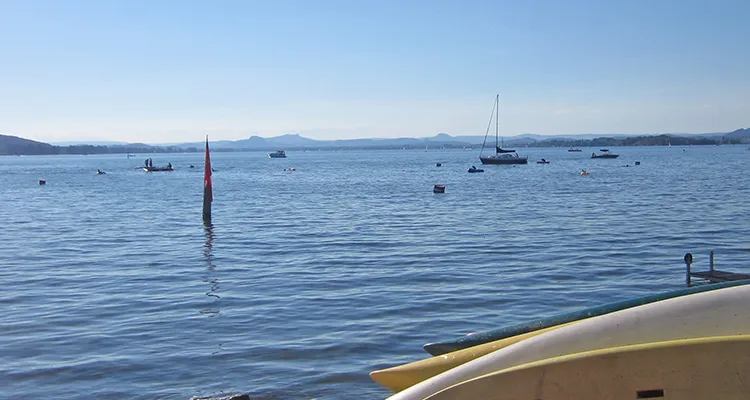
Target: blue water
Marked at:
308, 280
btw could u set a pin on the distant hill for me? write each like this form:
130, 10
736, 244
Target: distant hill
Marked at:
13, 145
10, 145
742, 135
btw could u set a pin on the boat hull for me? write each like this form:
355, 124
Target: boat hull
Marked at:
157, 169
504, 161
463, 342
404, 376
702, 368
721, 312
605, 156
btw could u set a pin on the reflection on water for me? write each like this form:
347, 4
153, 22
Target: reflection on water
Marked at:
210, 277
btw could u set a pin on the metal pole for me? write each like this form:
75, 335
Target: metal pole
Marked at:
688, 260
497, 119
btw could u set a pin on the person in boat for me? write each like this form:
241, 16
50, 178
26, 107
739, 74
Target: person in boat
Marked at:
169, 166
147, 163
100, 172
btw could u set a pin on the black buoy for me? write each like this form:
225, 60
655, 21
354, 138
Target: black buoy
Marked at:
42, 181
439, 165
637, 163
438, 189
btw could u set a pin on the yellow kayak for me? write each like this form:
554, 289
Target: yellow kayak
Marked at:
403, 376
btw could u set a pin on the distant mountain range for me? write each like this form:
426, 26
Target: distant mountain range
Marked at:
12, 145
295, 141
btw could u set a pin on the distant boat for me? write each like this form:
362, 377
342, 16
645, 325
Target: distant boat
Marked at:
574, 150
159, 169
542, 161
605, 154
474, 170
277, 154
501, 156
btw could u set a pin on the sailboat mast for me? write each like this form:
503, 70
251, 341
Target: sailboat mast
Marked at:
497, 118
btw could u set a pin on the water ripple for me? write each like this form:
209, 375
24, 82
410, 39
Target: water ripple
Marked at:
310, 279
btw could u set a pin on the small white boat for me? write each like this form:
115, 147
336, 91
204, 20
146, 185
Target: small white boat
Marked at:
277, 154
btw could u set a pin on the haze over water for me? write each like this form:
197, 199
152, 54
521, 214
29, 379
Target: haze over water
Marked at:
308, 280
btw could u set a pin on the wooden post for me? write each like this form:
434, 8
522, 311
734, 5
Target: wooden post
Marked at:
711, 260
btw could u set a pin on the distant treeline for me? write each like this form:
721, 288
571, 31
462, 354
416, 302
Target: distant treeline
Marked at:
11, 145
660, 140
27, 147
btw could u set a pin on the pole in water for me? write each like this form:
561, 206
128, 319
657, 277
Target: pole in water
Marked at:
208, 195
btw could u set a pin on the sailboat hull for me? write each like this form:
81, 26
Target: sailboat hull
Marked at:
503, 160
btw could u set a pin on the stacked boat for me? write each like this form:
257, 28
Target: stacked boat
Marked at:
691, 343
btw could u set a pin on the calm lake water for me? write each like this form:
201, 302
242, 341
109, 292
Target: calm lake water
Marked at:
308, 280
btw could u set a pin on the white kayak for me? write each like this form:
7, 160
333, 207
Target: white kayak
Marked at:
704, 368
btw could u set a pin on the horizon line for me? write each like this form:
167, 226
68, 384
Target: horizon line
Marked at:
301, 133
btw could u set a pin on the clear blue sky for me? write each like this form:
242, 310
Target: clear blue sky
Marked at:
171, 71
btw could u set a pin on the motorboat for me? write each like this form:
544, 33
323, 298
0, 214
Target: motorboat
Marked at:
158, 169
604, 154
